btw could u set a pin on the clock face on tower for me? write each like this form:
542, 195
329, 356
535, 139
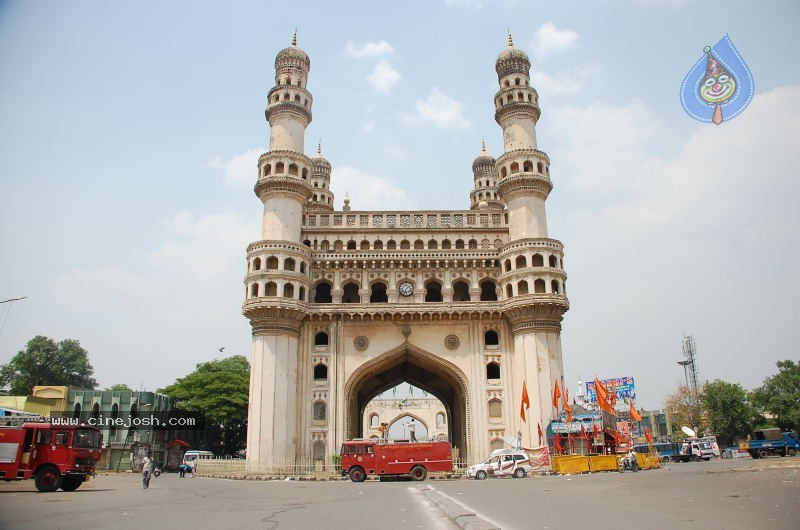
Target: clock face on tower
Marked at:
406, 289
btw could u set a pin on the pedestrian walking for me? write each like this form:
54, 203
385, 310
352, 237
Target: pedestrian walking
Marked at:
194, 466
147, 471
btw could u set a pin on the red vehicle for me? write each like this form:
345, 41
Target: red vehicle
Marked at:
54, 456
373, 457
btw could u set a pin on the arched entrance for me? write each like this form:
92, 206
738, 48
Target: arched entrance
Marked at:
424, 370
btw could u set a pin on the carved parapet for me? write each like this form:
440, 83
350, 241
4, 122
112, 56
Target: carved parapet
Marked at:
288, 109
524, 183
275, 315
520, 109
534, 312
282, 184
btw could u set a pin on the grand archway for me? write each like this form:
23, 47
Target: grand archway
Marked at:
424, 370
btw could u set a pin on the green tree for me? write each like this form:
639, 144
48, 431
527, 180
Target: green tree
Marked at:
219, 389
685, 410
729, 413
43, 362
119, 387
780, 396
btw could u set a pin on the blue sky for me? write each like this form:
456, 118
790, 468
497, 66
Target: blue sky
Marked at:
130, 133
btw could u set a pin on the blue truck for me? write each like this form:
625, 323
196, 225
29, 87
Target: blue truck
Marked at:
766, 442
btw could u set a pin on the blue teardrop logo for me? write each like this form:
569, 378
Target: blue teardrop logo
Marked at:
719, 86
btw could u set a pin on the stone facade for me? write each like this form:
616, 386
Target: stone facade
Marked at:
464, 304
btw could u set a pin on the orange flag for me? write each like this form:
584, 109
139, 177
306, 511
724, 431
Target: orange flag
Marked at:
635, 413
539, 428
567, 406
647, 436
556, 395
526, 402
603, 397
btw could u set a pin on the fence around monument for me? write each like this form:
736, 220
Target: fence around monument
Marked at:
300, 467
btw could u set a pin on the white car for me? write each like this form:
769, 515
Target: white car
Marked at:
502, 463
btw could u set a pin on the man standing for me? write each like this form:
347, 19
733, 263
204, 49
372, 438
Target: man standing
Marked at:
412, 430
147, 470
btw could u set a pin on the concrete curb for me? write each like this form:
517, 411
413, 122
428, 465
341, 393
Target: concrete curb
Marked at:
459, 514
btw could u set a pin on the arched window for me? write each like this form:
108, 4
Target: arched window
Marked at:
490, 338
522, 288
289, 264
293, 167
527, 166
391, 245
350, 295
378, 245
514, 168
114, 415
554, 287
461, 292
496, 443
96, 410
364, 245
320, 372
507, 265
488, 291
272, 263
301, 294
325, 245
257, 264
267, 170
318, 451
76, 411
321, 339
433, 291
254, 291
374, 421
378, 294
521, 262
553, 261
351, 245
320, 411
538, 286
509, 291
338, 245
432, 244
473, 244
405, 245
288, 290
492, 370
495, 409
459, 244
540, 168
323, 293
279, 168
446, 245
271, 289
441, 419
302, 267
537, 261
419, 245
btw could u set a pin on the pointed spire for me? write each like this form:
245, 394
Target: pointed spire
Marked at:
319, 148
510, 40
483, 146
294, 37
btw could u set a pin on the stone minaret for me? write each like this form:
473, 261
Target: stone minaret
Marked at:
278, 287
321, 195
533, 286
484, 194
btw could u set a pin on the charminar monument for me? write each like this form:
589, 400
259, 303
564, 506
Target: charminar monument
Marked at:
346, 304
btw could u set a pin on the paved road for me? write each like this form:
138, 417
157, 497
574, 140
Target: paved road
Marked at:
744, 494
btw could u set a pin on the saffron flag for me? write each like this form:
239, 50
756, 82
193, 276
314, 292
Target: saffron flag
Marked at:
539, 428
583, 433
635, 413
567, 406
603, 397
595, 431
557, 443
526, 402
556, 395
647, 436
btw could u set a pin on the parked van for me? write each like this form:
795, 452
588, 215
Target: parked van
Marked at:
192, 455
502, 463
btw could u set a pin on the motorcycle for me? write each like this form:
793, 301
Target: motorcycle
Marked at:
156, 471
628, 465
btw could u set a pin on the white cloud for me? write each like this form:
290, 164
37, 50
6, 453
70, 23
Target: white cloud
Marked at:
549, 39
383, 76
705, 243
367, 191
368, 49
240, 170
440, 110
473, 4
567, 83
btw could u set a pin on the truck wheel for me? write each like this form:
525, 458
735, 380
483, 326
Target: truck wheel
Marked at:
70, 483
754, 454
480, 475
763, 453
418, 473
357, 474
519, 473
792, 451
48, 479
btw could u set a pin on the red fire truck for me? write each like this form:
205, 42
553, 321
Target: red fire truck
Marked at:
374, 457
55, 456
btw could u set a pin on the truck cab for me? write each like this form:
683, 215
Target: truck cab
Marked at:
502, 463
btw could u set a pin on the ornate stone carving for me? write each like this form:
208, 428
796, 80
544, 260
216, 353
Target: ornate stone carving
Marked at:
452, 342
361, 343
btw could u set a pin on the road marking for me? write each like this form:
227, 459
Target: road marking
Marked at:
438, 519
457, 516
